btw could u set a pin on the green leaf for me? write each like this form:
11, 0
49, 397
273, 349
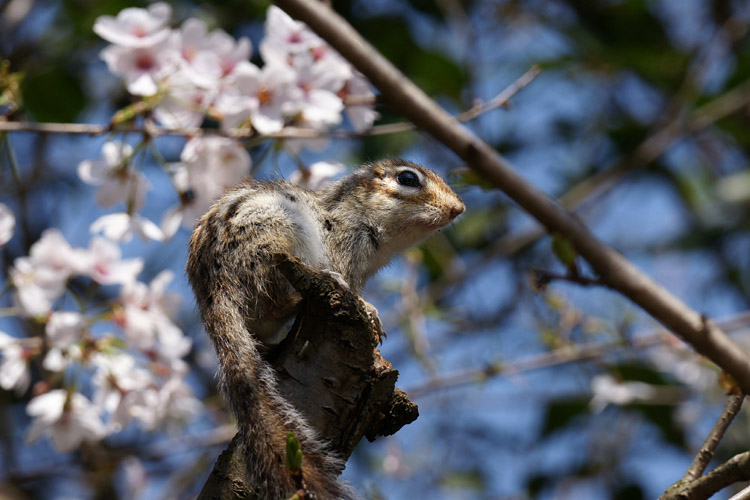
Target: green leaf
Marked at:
564, 250
293, 452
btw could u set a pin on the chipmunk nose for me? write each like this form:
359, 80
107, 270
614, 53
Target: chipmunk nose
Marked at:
457, 209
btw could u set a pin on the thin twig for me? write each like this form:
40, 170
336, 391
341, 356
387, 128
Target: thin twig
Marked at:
562, 356
706, 453
502, 99
558, 357
543, 278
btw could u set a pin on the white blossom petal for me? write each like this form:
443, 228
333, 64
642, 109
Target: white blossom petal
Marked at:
7, 224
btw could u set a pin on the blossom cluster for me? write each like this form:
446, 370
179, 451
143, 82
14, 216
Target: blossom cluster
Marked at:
129, 347
120, 335
189, 73
192, 72
208, 166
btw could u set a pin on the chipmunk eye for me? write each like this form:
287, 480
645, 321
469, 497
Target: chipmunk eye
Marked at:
409, 179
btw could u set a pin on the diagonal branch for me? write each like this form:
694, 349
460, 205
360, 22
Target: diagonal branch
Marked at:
613, 268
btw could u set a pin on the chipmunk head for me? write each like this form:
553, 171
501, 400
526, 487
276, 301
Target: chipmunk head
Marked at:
409, 200
382, 209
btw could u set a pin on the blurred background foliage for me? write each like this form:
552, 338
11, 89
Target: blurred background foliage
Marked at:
638, 121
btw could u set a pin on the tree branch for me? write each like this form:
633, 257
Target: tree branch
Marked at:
152, 130
561, 356
732, 471
693, 485
706, 453
329, 369
614, 269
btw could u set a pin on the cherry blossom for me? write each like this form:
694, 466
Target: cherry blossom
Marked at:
36, 287
607, 390
118, 378
209, 166
114, 175
68, 418
209, 56
136, 28
142, 68
14, 370
360, 116
184, 102
106, 266
174, 400
263, 96
285, 36
318, 175
194, 72
53, 251
40, 278
121, 227
7, 224
320, 82
145, 312
64, 328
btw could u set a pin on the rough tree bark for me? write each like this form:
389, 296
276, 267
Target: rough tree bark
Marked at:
330, 369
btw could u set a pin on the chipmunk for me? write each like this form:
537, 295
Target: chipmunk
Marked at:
351, 228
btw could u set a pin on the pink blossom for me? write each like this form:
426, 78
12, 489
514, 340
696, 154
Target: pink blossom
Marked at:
106, 266
7, 224
121, 227
209, 166
185, 101
67, 418
118, 379
114, 175
360, 116
174, 400
146, 316
284, 36
265, 97
136, 28
64, 328
53, 252
143, 68
14, 370
318, 175
191, 38
36, 287
40, 278
320, 82
64, 332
